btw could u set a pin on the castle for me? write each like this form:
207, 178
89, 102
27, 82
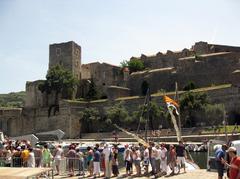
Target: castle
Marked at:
204, 64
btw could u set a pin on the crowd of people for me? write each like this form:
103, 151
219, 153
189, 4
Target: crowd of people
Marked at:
22, 154
100, 160
161, 159
105, 160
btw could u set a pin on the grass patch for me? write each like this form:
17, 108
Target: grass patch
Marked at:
82, 101
205, 89
85, 101
129, 97
220, 129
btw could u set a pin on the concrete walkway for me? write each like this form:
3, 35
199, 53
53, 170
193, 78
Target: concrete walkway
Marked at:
196, 174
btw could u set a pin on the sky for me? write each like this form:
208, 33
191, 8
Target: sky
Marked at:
107, 30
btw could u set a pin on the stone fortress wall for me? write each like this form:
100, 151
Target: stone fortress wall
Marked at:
169, 59
103, 75
204, 64
16, 122
34, 97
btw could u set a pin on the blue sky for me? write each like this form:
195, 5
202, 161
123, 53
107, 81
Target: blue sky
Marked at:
107, 30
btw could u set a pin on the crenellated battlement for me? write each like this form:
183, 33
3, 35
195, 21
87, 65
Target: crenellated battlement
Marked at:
168, 59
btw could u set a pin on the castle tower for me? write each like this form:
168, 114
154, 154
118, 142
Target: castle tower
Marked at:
68, 55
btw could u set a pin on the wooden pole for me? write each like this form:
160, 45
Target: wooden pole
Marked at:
139, 122
178, 108
147, 117
225, 124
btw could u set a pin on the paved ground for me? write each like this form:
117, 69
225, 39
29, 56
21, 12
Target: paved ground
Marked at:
196, 174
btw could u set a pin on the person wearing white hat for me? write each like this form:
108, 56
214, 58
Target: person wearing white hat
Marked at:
234, 166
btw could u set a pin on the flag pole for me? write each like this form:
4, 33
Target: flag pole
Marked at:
179, 118
225, 124
147, 117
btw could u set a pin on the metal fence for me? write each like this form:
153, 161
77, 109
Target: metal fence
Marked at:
79, 165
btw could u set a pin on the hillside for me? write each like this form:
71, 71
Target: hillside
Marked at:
14, 99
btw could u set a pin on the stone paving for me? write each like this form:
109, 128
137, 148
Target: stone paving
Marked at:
196, 174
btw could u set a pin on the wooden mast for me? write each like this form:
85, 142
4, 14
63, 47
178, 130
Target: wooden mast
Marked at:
147, 117
178, 108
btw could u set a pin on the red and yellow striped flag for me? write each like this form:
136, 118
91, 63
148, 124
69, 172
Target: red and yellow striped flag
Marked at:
171, 101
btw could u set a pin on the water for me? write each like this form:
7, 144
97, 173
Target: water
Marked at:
200, 158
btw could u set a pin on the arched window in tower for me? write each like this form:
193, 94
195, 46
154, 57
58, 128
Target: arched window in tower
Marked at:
77, 63
58, 51
77, 52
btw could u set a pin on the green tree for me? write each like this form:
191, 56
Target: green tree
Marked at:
156, 113
92, 93
118, 114
133, 65
190, 103
189, 86
12, 99
124, 63
59, 81
214, 113
88, 117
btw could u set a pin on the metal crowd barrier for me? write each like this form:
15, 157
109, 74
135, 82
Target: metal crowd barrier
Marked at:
78, 165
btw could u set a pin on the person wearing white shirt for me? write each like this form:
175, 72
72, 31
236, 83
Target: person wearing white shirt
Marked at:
8, 156
146, 159
163, 164
153, 158
128, 159
31, 159
57, 157
107, 159
136, 156
138, 161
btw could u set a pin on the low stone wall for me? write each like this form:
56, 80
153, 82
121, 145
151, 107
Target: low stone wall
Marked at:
16, 122
114, 92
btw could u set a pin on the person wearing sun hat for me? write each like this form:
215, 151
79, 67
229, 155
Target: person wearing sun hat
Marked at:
234, 166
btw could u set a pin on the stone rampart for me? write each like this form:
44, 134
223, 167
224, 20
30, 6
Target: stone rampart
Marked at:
169, 59
202, 70
10, 120
32, 120
103, 75
114, 92
157, 79
35, 98
163, 60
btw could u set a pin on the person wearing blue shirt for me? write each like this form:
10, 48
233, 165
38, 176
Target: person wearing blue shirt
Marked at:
96, 161
219, 155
